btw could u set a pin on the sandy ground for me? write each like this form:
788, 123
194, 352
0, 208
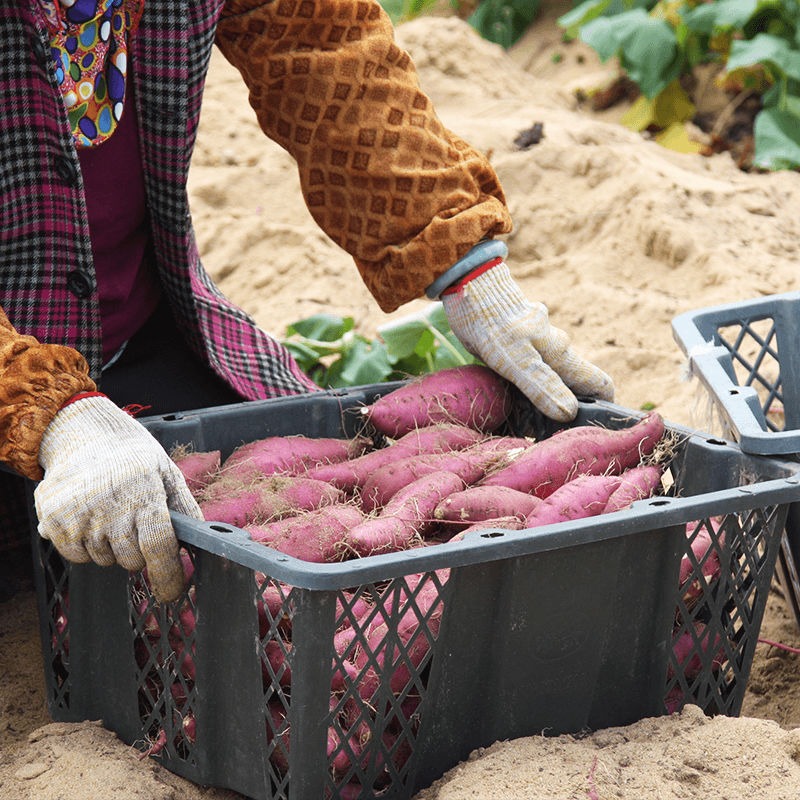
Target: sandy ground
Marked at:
617, 236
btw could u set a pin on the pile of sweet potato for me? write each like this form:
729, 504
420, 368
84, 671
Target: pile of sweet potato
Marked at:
443, 467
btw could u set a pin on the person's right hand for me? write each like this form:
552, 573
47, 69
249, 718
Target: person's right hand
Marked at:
107, 490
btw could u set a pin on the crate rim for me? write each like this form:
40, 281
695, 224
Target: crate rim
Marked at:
695, 332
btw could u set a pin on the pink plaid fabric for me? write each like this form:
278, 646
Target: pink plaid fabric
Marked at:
48, 285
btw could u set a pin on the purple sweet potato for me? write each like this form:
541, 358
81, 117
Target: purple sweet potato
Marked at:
382, 484
637, 483
315, 536
703, 567
405, 517
509, 523
479, 503
264, 500
472, 395
584, 496
349, 475
290, 454
199, 468
585, 449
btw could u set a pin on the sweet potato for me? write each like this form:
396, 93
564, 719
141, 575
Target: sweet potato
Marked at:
510, 523
384, 483
637, 483
472, 395
314, 536
198, 468
290, 454
585, 449
704, 566
349, 475
405, 516
265, 499
584, 496
479, 503
692, 650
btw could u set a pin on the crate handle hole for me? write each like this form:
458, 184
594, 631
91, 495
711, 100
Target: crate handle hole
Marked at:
172, 417
492, 535
716, 441
733, 391
659, 502
221, 529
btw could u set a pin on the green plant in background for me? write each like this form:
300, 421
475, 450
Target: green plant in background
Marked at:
755, 42
503, 21
404, 10
498, 21
330, 351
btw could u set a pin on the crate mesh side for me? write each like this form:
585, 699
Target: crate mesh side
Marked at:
164, 645
381, 651
56, 579
753, 345
276, 603
381, 665
726, 574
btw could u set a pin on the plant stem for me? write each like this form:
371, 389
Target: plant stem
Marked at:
445, 342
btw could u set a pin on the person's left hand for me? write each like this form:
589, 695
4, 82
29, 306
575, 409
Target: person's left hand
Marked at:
496, 323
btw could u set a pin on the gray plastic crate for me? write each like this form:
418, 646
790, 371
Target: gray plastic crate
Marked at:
746, 354
556, 630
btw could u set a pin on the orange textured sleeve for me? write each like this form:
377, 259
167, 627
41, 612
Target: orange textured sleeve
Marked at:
379, 172
35, 381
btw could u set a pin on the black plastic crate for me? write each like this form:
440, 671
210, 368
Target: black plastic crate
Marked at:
555, 630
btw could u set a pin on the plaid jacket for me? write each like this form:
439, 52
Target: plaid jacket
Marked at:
48, 281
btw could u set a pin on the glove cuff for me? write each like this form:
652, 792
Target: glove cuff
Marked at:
80, 396
92, 417
462, 282
476, 257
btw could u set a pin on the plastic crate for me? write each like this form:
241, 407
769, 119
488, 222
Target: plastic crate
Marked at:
555, 630
746, 356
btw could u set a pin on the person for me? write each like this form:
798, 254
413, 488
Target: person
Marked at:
106, 303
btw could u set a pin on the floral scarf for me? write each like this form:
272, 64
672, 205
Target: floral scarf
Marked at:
89, 43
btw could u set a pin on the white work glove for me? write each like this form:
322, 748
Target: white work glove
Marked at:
106, 493
496, 323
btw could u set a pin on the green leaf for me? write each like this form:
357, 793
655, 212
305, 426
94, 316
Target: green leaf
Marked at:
402, 340
585, 12
306, 357
777, 140
649, 52
767, 50
364, 363
602, 36
322, 327
453, 356
394, 8
503, 21
722, 15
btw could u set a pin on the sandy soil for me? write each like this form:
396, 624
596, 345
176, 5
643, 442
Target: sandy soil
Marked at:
617, 236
